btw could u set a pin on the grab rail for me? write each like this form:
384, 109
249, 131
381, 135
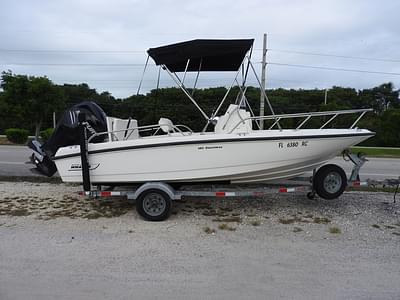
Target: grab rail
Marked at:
307, 117
142, 128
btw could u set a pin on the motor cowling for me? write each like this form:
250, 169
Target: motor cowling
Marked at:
66, 133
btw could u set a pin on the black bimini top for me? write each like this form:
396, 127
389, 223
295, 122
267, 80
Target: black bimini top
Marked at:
204, 55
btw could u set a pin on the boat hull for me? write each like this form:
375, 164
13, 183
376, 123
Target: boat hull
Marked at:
262, 156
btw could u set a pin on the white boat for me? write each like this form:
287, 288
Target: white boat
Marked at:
235, 151
237, 157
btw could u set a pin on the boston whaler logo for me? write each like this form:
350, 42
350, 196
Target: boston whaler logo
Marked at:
78, 167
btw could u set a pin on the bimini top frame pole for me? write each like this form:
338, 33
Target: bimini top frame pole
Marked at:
144, 71
183, 88
197, 78
223, 99
265, 95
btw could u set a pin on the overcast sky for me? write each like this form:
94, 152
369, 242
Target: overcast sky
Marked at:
74, 41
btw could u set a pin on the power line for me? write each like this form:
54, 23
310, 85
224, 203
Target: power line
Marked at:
73, 64
141, 65
143, 52
69, 51
335, 55
333, 69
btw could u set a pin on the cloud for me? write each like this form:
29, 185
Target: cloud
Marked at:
356, 28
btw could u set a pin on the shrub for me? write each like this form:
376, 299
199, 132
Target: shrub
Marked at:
45, 134
335, 230
17, 135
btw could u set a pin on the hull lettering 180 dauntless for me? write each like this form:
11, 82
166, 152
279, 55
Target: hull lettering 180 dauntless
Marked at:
235, 151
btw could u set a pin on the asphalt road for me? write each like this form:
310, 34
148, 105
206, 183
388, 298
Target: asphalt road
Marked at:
13, 162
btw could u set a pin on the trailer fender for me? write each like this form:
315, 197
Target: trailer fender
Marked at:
162, 186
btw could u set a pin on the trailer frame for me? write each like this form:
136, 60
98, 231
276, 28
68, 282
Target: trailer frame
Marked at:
154, 199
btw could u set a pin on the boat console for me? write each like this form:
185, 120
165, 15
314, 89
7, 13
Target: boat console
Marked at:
235, 120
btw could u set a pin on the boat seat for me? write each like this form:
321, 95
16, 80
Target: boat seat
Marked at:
122, 129
166, 125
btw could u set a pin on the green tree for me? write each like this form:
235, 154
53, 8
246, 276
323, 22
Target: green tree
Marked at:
29, 98
389, 131
27, 102
76, 93
3, 114
380, 98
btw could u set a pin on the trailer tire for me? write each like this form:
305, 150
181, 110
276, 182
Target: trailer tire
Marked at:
154, 205
330, 181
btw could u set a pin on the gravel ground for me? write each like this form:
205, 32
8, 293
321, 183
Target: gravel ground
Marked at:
57, 245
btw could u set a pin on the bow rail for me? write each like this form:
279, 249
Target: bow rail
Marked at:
307, 117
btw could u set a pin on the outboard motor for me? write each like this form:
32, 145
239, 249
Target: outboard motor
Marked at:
66, 134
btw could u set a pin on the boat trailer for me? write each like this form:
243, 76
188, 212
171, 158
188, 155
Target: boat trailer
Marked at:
154, 199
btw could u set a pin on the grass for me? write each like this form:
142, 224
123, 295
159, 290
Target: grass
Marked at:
321, 220
228, 219
297, 229
390, 227
292, 220
47, 208
225, 226
288, 221
34, 179
385, 189
335, 230
255, 223
378, 151
19, 212
209, 230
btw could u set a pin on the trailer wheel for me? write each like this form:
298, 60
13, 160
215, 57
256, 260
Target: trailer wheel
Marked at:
330, 181
154, 205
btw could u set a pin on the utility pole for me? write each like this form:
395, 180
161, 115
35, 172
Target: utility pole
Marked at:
54, 119
263, 66
326, 96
